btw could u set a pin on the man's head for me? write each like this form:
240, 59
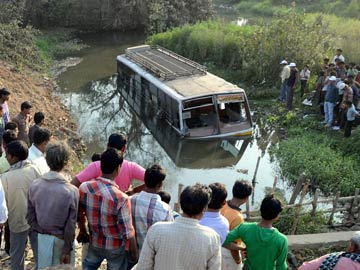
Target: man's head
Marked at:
26, 108
292, 65
332, 80
348, 103
9, 136
41, 138
283, 63
218, 197
338, 52
57, 155
110, 162
12, 126
39, 118
194, 200
117, 141
154, 177
4, 94
326, 60
270, 207
354, 246
242, 189
16, 151
165, 196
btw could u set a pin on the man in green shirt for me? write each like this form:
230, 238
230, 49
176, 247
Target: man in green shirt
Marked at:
266, 247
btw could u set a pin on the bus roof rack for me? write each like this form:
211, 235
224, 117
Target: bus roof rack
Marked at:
163, 63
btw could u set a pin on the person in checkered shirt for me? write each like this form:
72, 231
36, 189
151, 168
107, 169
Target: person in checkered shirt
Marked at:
108, 212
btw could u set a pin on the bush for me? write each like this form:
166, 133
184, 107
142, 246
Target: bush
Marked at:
315, 154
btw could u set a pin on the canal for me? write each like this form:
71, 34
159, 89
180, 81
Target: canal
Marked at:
89, 89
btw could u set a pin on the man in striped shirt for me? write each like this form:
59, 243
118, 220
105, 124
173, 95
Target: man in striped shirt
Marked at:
108, 212
147, 207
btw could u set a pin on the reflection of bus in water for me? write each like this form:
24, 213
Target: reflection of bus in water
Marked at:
196, 104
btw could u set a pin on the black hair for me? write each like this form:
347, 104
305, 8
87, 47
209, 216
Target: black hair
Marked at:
242, 189
165, 196
340, 50
96, 157
270, 207
4, 92
154, 175
9, 136
110, 160
11, 126
348, 102
25, 105
41, 135
117, 141
218, 197
194, 199
18, 149
38, 117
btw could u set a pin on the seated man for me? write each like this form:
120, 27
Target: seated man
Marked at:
266, 247
338, 260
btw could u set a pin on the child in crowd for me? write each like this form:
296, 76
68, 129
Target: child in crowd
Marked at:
39, 119
350, 117
265, 245
166, 198
241, 191
95, 157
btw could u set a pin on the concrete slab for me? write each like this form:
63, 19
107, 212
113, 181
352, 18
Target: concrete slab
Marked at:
297, 242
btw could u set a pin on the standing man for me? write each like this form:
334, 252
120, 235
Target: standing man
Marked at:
183, 244
147, 207
293, 79
266, 247
16, 182
129, 170
42, 137
23, 120
212, 217
284, 75
331, 97
339, 56
4, 97
304, 78
52, 210
108, 212
241, 191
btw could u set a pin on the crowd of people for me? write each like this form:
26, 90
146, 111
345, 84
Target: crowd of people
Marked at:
336, 90
130, 228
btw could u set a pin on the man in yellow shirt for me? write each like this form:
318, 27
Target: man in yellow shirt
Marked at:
242, 189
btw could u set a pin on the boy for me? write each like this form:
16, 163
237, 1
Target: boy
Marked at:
241, 191
266, 247
350, 117
39, 119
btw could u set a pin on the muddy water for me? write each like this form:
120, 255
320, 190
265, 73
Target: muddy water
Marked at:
89, 89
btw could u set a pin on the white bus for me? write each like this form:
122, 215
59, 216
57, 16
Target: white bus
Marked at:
163, 85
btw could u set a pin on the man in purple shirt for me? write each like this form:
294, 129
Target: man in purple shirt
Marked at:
52, 209
212, 217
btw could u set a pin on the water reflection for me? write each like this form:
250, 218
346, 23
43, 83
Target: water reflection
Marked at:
100, 110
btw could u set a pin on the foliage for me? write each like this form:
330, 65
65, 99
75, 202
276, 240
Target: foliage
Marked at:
250, 53
307, 222
317, 155
167, 14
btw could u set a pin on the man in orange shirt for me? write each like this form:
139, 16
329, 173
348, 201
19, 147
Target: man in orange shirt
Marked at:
242, 189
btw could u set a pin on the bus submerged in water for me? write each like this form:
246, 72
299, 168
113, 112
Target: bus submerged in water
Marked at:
163, 85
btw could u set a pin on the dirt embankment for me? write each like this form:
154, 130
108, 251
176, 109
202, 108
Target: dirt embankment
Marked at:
31, 86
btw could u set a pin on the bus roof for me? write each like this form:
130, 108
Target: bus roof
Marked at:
186, 77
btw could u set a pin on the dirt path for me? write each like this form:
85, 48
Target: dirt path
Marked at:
38, 89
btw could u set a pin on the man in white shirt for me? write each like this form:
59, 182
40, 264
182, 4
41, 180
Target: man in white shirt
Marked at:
183, 244
284, 75
3, 208
339, 56
41, 139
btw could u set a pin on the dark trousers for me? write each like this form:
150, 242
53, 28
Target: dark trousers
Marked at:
348, 127
289, 97
6, 238
302, 87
